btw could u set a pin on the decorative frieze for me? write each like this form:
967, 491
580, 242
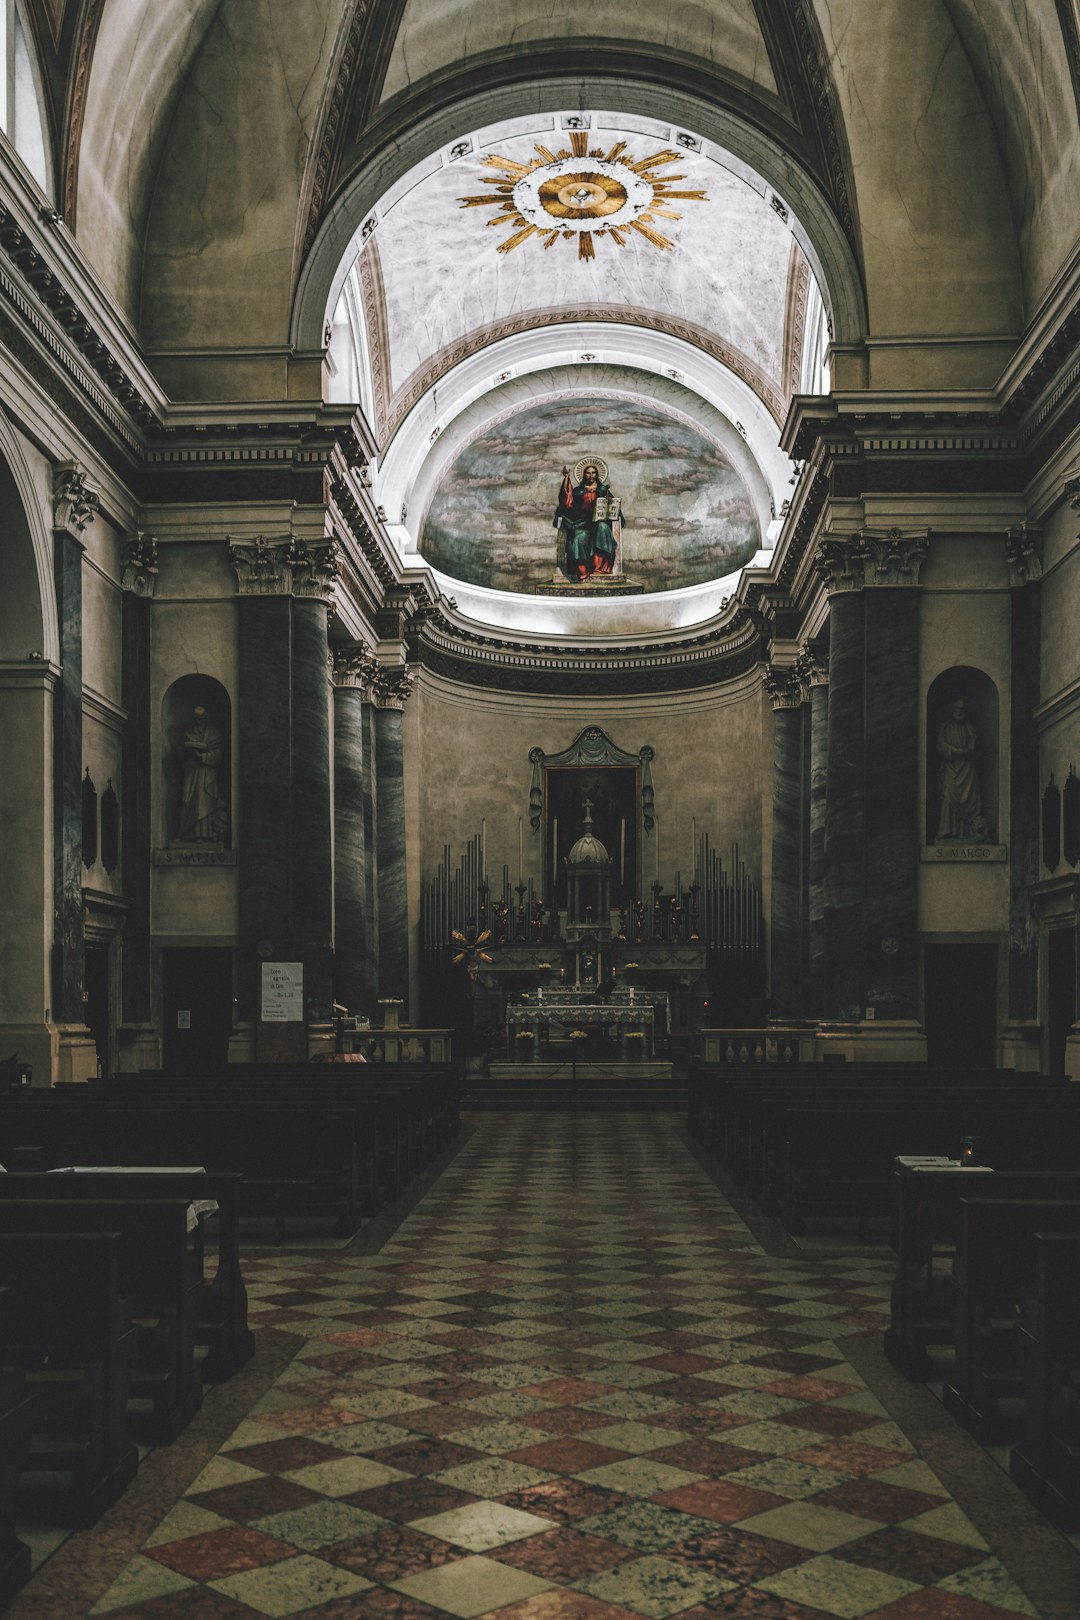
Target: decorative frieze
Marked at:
284, 567
75, 499
139, 565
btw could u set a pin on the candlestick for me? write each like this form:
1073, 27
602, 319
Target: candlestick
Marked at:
483, 846
656, 835
622, 852
519, 849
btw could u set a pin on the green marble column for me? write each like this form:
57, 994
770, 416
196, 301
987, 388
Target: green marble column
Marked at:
392, 691
786, 931
353, 673
138, 579
74, 505
1025, 568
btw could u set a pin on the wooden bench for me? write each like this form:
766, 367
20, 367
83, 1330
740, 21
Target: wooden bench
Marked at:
160, 1276
1046, 1461
292, 1160
16, 1426
926, 1234
223, 1323
67, 1326
993, 1277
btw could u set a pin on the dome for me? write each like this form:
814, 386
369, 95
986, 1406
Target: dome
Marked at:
588, 851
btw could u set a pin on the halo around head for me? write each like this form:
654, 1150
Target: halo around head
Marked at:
590, 461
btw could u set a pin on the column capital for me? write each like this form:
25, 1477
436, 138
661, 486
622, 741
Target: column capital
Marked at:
393, 687
784, 687
1023, 552
139, 564
284, 567
354, 669
75, 499
812, 668
872, 558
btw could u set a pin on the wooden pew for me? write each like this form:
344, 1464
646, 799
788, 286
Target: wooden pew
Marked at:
223, 1324
293, 1159
1046, 1461
993, 1260
926, 1234
16, 1425
160, 1275
67, 1326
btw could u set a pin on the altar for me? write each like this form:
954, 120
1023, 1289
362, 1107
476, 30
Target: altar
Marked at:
545, 1027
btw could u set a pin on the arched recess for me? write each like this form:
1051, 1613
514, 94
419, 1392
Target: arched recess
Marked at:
196, 731
820, 234
962, 757
28, 670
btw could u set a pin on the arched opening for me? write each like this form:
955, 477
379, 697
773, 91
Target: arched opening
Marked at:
27, 679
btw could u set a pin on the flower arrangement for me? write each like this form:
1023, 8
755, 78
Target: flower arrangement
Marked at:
579, 1035
635, 1034
525, 1034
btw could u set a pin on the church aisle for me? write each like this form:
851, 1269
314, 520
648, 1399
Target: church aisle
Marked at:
572, 1386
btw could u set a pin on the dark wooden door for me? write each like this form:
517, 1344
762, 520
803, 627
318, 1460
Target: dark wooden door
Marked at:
197, 1002
1060, 994
960, 1005
96, 1001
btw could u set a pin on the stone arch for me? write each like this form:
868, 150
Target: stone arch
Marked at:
975, 689
28, 671
820, 235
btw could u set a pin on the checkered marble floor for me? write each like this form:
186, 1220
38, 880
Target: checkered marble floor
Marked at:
571, 1387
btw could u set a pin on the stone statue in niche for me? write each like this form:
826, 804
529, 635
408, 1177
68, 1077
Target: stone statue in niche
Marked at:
203, 815
588, 518
960, 813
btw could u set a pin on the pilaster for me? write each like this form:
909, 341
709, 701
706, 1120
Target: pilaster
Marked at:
1023, 552
285, 881
392, 689
75, 501
140, 1045
786, 955
353, 672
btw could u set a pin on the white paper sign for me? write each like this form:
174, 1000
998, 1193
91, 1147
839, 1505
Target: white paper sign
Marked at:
183, 1018
283, 992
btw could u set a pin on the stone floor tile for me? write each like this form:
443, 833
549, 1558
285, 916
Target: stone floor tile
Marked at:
323, 1523
280, 1589
806, 1524
482, 1525
471, 1586
845, 1590
988, 1582
654, 1586
220, 1552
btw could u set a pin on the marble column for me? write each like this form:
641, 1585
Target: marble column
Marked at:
890, 898
392, 691
312, 928
785, 953
815, 674
353, 671
1024, 554
842, 866
371, 851
74, 505
284, 863
138, 579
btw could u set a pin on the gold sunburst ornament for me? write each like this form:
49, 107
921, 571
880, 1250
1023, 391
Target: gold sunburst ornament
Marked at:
583, 195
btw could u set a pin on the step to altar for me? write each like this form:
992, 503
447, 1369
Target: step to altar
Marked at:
634, 1072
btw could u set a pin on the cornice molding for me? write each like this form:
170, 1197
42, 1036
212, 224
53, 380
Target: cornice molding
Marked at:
467, 655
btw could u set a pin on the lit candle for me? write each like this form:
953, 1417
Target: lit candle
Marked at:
656, 826
519, 849
483, 845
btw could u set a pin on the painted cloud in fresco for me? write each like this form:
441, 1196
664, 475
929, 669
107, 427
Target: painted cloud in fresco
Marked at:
687, 515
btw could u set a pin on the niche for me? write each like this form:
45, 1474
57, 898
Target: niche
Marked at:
962, 757
196, 754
